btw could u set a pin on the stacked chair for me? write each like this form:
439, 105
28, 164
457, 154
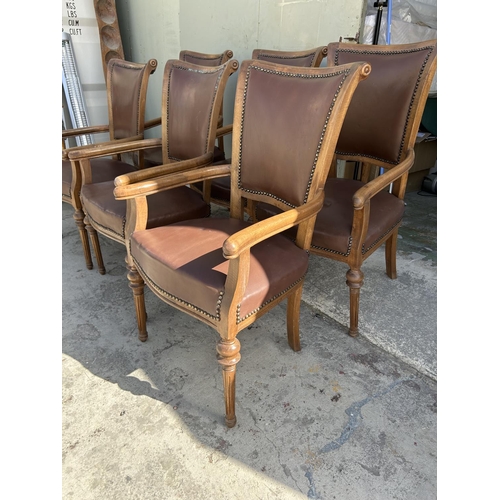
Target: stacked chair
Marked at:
281, 187
192, 97
379, 131
127, 85
227, 272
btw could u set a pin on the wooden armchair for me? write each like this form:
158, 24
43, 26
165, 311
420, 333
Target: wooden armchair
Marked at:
219, 189
127, 85
154, 156
379, 131
192, 97
227, 272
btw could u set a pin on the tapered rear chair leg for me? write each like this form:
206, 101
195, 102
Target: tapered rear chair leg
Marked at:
79, 216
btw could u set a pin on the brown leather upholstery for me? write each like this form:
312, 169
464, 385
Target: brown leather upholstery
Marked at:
127, 85
221, 188
195, 274
103, 169
225, 271
154, 156
386, 213
379, 129
303, 58
378, 124
108, 215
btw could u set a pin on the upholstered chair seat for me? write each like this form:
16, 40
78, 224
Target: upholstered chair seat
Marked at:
109, 214
195, 274
103, 169
386, 212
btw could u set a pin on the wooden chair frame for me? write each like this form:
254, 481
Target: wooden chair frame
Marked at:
136, 133
237, 248
395, 172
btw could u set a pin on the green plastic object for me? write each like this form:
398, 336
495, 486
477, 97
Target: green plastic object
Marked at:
429, 118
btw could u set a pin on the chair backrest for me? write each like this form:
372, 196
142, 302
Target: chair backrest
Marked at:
382, 122
286, 124
205, 59
127, 85
191, 101
303, 58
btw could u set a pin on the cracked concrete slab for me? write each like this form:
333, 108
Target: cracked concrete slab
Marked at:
343, 418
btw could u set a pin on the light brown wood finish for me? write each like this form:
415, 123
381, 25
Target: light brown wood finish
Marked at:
379, 131
235, 272
109, 32
125, 123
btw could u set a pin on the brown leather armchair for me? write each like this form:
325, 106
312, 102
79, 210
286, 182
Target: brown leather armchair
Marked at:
192, 97
127, 85
380, 128
227, 272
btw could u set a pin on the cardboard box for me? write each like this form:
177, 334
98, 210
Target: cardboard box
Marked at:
425, 159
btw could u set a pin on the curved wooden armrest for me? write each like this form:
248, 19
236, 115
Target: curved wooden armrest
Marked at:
113, 147
93, 129
225, 130
260, 231
370, 189
162, 170
92, 147
178, 178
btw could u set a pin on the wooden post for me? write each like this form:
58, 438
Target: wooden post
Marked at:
109, 32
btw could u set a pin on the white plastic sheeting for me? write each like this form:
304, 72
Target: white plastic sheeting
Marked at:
411, 21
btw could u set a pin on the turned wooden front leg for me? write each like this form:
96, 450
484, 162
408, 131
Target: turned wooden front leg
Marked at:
354, 282
136, 283
79, 216
228, 355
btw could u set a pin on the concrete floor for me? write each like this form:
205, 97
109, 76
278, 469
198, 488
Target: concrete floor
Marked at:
342, 419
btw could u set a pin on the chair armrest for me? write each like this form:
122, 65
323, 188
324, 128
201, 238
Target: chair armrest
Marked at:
163, 170
225, 130
92, 147
94, 129
370, 189
243, 240
113, 147
175, 175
